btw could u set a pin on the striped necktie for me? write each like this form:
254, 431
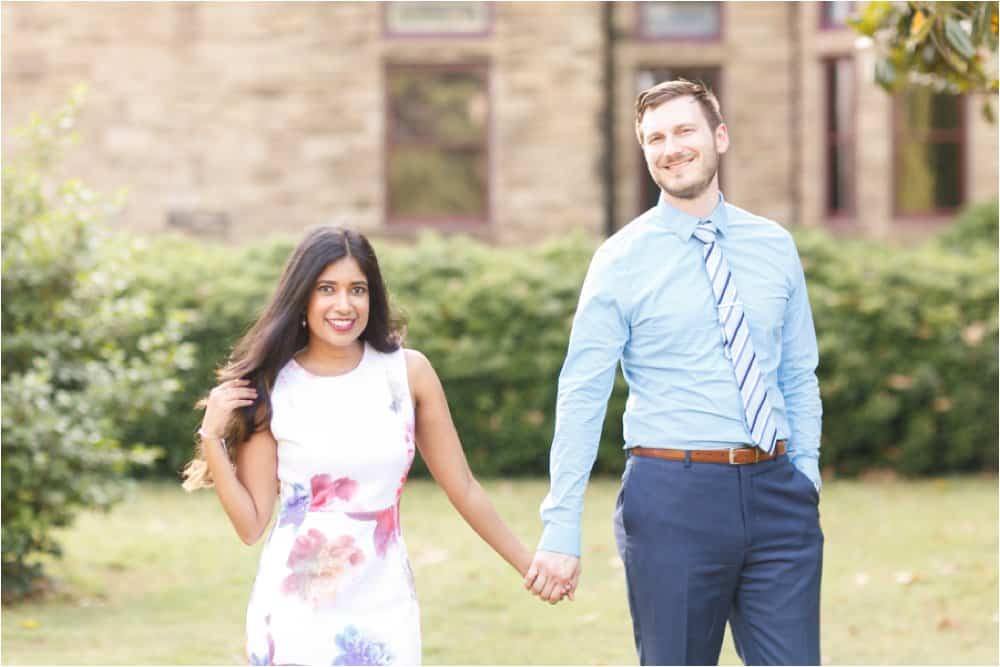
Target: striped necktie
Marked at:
736, 341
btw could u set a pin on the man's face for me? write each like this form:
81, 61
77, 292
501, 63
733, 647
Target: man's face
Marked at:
682, 152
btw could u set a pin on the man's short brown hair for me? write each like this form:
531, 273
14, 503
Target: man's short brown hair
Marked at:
671, 90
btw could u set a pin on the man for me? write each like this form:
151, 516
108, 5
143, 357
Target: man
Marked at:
705, 307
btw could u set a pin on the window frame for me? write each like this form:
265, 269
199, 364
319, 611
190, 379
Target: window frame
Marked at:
438, 222
961, 140
486, 32
831, 139
641, 35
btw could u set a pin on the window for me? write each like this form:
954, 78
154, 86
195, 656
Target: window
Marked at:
929, 152
839, 140
437, 144
649, 191
834, 14
437, 19
679, 20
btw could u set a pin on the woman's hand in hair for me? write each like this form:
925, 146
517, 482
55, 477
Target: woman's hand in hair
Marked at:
221, 402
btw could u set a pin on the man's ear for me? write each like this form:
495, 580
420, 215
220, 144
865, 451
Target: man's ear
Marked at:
721, 138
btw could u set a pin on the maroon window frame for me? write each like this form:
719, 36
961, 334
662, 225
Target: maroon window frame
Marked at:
643, 35
649, 191
839, 148
955, 136
487, 31
826, 21
394, 143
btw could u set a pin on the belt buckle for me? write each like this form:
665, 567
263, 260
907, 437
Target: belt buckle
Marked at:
732, 456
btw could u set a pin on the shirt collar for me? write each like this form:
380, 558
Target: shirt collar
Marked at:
682, 224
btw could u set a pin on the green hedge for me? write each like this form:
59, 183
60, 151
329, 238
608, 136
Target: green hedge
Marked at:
85, 353
908, 340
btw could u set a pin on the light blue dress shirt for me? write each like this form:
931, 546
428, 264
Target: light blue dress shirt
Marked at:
647, 303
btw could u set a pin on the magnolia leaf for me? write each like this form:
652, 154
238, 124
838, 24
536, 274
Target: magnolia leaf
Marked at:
885, 74
919, 29
958, 38
919, 19
988, 114
871, 18
981, 22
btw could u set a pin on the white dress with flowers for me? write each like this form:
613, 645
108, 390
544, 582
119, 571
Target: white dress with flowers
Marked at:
334, 585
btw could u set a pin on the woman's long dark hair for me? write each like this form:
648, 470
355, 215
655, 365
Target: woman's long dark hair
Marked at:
278, 333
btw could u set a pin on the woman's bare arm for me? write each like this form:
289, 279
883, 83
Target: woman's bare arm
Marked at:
247, 490
442, 451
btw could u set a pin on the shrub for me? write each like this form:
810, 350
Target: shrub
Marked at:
81, 356
908, 365
907, 343
977, 226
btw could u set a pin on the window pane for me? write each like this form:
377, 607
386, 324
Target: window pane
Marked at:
839, 139
671, 20
840, 96
436, 18
430, 182
929, 176
925, 110
840, 179
439, 105
836, 13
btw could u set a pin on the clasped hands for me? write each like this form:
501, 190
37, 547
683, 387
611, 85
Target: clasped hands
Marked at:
553, 576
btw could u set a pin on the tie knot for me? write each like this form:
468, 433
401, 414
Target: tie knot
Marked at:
706, 231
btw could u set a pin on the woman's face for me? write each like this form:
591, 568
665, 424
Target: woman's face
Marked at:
337, 312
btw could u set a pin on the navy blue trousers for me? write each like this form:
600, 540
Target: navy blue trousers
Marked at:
704, 544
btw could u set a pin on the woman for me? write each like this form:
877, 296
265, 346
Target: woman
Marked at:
320, 401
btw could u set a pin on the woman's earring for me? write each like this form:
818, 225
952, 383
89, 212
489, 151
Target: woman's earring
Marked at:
303, 321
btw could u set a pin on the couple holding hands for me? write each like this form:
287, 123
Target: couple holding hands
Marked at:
320, 410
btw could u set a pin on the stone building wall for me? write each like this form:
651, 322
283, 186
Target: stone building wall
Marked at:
268, 117
273, 114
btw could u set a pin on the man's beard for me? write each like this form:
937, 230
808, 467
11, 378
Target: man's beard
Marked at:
693, 190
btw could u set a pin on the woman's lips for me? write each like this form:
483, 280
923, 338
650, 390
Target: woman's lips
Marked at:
340, 324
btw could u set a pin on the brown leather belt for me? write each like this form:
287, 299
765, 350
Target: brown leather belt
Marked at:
735, 456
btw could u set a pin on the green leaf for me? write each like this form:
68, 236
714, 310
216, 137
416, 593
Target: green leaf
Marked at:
981, 22
919, 29
958, 38
988, 114
871, 18
885, 74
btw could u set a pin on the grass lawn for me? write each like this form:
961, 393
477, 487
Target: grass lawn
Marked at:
910, 577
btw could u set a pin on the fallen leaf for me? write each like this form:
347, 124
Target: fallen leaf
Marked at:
861, 578
901, 382
534, 417
852, 630
30, 624
942, 404
973, 333
945, 623
906, 578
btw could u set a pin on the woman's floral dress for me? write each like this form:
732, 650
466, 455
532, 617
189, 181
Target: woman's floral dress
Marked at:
334, 585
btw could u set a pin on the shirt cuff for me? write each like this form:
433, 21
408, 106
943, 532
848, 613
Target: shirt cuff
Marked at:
560, 539
809, 467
